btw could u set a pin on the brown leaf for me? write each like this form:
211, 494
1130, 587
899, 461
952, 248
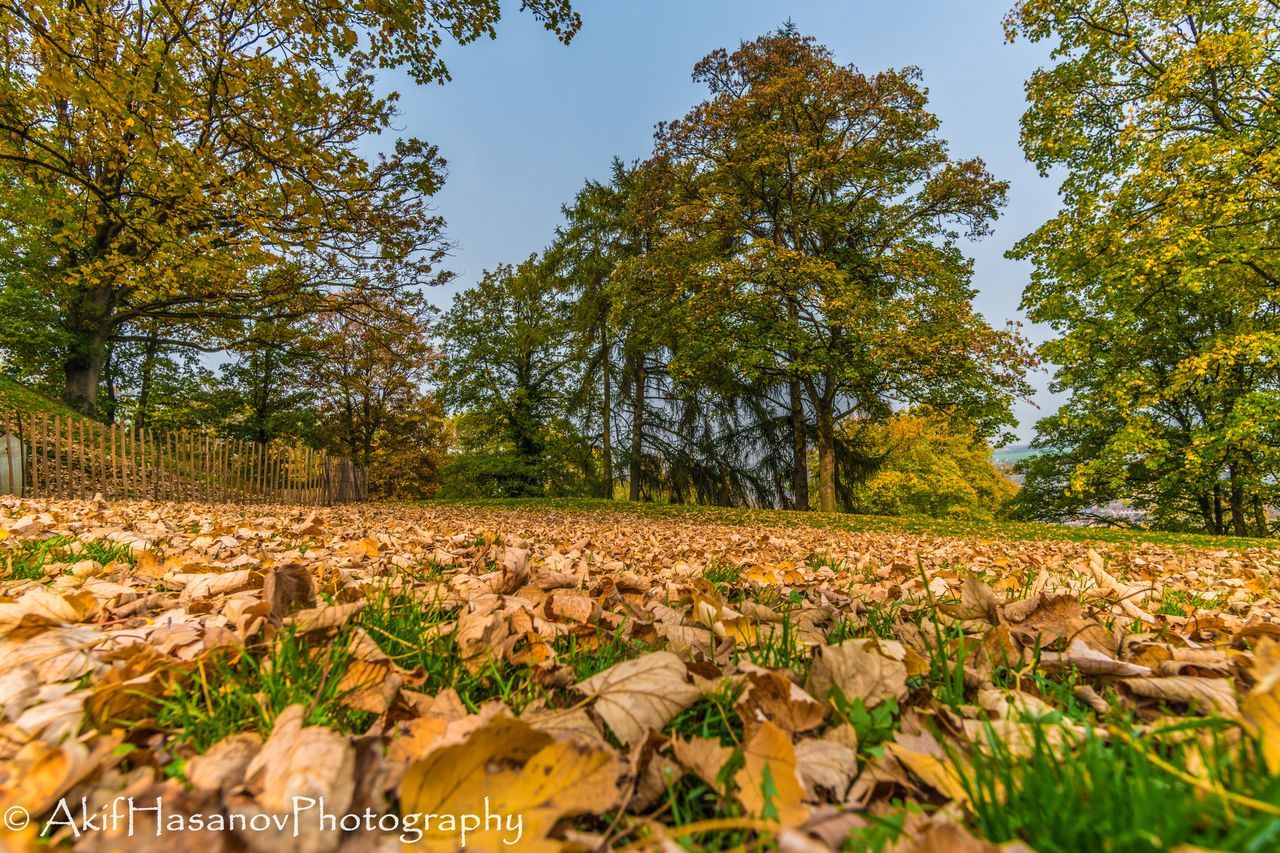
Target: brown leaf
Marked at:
1204, 695
704, 757
977, 601
509, 769
302, 761
774, 697
825, 765
288, 589
1090, 661
640, 695
862, 669
223, 766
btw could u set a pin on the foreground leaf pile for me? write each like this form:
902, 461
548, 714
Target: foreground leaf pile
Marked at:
632, 682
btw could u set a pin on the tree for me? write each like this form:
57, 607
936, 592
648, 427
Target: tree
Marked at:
268, 390
156, 157
1159, 273
586, 254
369, 376
814, 243
926, 465
508, 374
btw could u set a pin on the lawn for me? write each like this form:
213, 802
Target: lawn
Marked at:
993, 529
638, 678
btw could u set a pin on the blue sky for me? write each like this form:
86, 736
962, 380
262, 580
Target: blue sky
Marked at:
526, 119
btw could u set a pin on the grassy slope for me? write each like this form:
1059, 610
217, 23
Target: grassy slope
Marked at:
15, 396
1014, 530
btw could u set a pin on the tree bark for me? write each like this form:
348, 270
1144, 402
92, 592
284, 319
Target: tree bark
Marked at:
1206, 514
1259, 516
800, 449
83, 370
91, 321
637, 428
826, 460
1238, 524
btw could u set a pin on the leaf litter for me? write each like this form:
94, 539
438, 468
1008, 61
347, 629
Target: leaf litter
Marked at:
618, 684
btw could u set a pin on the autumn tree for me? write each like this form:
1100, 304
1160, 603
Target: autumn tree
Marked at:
816, 243
925, 464
1160, 272
370, 373
154, 157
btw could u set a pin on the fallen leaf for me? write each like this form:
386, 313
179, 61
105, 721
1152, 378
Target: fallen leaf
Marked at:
640, 695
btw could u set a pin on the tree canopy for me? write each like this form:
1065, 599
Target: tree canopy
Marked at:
159, 158
1159, 273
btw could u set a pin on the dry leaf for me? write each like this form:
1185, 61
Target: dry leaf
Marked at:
640, 695
862, 669
509, 769
768, 785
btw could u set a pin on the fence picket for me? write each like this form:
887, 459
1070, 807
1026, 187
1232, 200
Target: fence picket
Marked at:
65, 457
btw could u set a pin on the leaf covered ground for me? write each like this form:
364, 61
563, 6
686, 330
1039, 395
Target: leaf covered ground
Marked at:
628, 682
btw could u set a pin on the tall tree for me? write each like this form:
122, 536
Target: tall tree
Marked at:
509, 367
369, 373
816, 243
1160, 271
159, 153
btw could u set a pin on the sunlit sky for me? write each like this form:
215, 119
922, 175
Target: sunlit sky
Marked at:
526, 119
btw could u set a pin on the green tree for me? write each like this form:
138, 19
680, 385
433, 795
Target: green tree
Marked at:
815, 242
508, 372
1159, 273
155, 157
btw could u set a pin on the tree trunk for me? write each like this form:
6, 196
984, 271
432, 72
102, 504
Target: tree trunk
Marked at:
90, 324
800, 448
1219, 529
826, 460
83, 370
1206, 514
1260, 516
607, 441
143, 416
1238, 525
637, 428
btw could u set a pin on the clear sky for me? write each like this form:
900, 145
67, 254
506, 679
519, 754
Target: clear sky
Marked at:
526, 120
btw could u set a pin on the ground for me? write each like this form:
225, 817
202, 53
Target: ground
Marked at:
551, 676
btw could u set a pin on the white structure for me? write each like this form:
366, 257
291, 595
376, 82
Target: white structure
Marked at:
12, 458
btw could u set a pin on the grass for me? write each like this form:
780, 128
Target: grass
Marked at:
238, 691
1181, 602
1099, 792
1012, 530
873, 726
722, 574
16, 396
712, 716
28, 560
408, 630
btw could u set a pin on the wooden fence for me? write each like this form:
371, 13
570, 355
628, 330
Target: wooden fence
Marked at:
44, 455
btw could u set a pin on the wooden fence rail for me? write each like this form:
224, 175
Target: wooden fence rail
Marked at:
46, 455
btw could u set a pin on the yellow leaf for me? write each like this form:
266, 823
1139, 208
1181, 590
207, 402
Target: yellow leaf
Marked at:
511, 770
768, 783
1261, 707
